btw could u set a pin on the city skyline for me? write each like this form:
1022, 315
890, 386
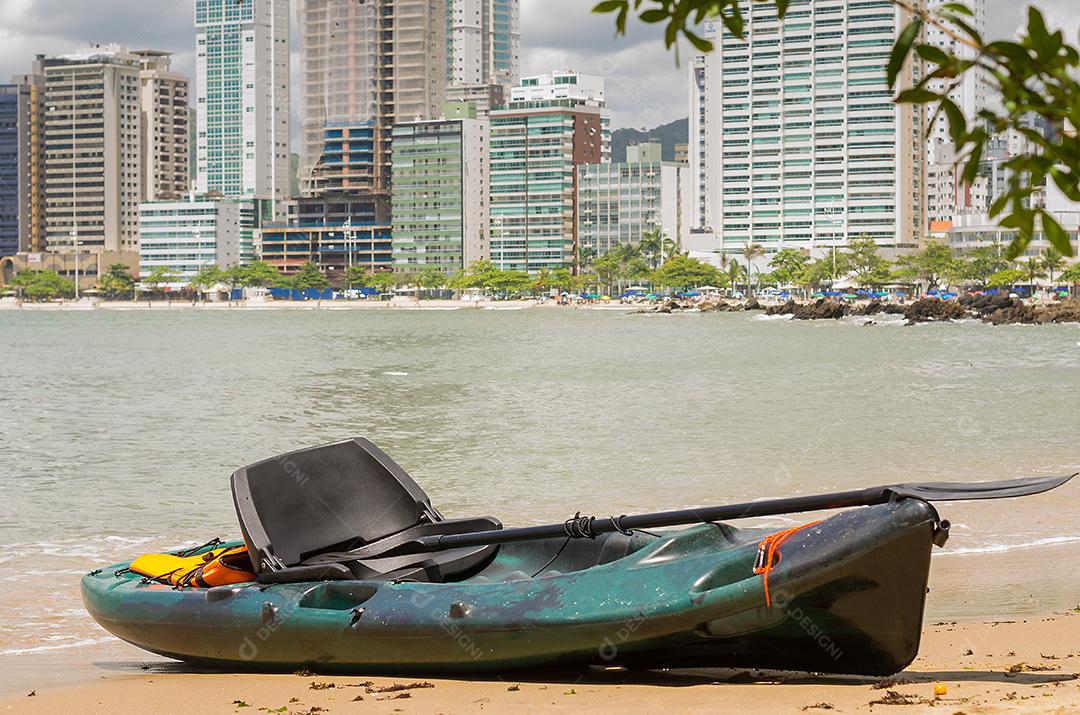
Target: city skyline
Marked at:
645, 89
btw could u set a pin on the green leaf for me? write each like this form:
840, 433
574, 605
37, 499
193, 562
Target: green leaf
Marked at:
1037, 26
900, 51
781, 8
609, 6
1010, 50
1017, 246
957, 8
971, 163
733, 21
1055, 234
967, 29
654, 15
932, 54
671, 34
700, 43
957, 121
916, 95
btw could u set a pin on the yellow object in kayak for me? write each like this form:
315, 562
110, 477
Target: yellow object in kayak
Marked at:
217, 567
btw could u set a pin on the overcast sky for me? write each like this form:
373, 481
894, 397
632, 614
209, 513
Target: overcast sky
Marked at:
644, 86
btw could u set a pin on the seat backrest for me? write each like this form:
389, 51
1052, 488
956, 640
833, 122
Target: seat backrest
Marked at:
332, 497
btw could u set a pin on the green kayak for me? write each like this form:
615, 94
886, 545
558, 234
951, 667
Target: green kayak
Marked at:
356, 572
847, 596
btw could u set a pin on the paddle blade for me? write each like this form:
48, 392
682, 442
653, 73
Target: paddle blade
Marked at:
960, 491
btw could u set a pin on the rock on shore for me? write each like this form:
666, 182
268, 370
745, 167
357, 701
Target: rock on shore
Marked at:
931, 309
994, 309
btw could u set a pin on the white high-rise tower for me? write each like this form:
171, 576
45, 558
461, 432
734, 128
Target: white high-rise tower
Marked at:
970, 95
795, 140
482, 42
242, 89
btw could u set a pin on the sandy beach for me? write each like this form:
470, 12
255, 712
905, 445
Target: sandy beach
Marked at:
1016, 666
159, 305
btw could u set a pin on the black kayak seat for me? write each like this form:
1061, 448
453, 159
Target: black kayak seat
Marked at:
330, 512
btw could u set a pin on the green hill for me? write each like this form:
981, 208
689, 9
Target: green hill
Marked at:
668, 135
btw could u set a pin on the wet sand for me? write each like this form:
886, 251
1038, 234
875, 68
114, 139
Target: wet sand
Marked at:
1017, 666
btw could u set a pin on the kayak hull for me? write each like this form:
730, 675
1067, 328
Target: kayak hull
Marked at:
847, 596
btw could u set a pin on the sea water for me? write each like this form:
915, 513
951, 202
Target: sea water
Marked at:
119, 430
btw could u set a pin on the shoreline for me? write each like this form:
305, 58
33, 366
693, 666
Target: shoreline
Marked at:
986, 666
270, 305
993, 310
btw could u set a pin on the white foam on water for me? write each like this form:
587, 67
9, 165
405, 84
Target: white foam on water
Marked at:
393, 373
773, 317
1005, 548
62, 646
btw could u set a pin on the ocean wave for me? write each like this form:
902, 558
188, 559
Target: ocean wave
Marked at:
1004, 548
60, 646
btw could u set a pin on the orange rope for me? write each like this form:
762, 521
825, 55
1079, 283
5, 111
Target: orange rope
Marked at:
769, 549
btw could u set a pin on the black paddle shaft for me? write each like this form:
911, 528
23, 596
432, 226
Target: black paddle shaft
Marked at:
587, 527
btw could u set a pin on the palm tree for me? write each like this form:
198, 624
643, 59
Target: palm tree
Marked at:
585, 256
652, 246
750, 252
1052, 261
734, 273
1033, 270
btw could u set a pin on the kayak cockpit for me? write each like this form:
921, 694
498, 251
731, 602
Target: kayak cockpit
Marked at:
347, 511
559, 556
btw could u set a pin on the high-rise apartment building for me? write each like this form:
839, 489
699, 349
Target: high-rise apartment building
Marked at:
339, 98
188, 235
618, 203
242, 90
415, 68
482, 42
92, 150
22, 187
11, 155
365, 67
31, 161
696, 138
554, 124
971, 94
797, 143
440, 213
164, 128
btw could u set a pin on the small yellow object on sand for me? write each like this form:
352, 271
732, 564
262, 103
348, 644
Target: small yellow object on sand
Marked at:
940, 689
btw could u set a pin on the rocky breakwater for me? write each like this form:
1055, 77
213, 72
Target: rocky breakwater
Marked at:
823, 309
1003, 310
929, 310
994, 309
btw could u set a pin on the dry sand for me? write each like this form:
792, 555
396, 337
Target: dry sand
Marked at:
1022, 666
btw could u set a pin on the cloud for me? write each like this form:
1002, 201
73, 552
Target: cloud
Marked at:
645, 86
